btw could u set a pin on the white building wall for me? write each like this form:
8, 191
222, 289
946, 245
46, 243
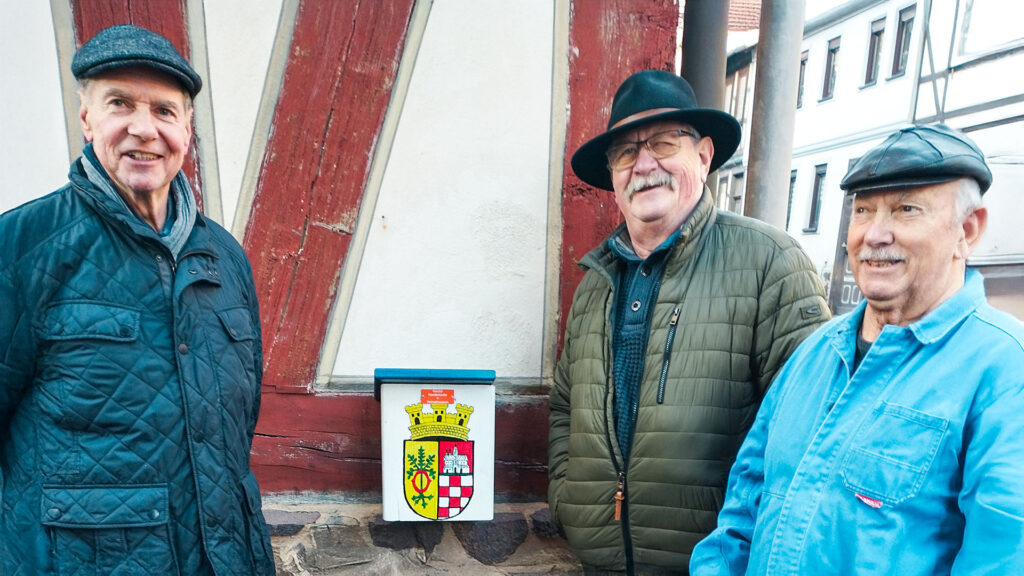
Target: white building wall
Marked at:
240, 35
854, 107
34, 158
454, 269
969, 79
835, 130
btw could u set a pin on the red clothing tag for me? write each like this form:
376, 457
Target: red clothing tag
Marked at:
869, 501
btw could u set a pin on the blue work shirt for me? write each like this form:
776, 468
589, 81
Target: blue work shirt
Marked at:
912, 465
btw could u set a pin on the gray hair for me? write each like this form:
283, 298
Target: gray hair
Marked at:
968, 199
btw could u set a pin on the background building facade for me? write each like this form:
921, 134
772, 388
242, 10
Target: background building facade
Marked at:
870, 67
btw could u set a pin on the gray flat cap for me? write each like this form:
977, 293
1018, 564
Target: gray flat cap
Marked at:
918, 156
126, 45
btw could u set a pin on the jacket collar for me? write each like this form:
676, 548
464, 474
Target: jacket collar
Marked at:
602, 258
112, 208
693, 232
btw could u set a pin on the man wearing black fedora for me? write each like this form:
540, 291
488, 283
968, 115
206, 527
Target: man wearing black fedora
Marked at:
682, 320
130, 359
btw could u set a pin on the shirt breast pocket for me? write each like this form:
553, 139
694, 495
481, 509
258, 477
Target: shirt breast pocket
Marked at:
891, 454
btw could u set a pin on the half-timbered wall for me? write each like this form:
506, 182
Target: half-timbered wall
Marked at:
397, 171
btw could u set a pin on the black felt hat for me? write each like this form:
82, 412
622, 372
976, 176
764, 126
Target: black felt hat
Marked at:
649, 96
918, 156
125, 45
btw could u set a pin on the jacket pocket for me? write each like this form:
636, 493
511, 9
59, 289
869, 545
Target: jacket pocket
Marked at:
115, 529
87, 319
87, 352
237, 323
234, 349
259, 536
892, 453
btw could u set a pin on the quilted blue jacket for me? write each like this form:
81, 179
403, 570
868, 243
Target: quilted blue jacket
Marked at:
129, 391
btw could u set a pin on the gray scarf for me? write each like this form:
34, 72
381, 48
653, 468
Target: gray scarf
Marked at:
184, 203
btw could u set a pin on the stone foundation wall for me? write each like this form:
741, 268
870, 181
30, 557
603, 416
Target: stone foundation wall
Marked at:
317, 538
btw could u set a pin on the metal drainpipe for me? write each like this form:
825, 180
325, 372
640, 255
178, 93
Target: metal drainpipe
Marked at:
772, 121
705, 25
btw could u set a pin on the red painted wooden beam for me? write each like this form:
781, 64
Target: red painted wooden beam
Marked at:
337, 85
608, 41
332, 444
165, 17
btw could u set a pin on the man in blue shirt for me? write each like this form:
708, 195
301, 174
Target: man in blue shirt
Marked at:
891, 441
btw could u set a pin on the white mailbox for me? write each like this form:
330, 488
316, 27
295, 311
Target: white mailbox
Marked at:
437, 443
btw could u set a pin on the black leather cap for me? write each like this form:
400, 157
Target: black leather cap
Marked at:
125, 45
918, 156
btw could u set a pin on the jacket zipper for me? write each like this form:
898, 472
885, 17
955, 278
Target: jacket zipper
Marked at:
668, 353
622, 515
619, 495
619, 498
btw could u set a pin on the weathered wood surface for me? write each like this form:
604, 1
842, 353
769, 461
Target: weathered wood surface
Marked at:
332, 444
337, 84
608, 41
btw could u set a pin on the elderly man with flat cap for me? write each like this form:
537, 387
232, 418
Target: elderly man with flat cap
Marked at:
130, 355
682, 320
892, 440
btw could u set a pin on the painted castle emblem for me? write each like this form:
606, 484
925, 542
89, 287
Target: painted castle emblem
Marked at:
438, 457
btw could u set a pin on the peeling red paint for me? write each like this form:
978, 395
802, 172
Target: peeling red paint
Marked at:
337, 84
608, 41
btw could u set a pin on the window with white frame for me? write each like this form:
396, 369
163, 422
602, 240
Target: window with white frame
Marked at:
723, 192
828, 87
789, 204
901, 47
736, 193
800, 86
816, 191
738, 103
874, 51
985, 29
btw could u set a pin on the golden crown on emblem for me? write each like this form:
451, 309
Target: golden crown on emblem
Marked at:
439, 422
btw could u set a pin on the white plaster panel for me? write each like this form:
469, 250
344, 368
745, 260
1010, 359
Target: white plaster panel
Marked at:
454, 269
34, 160
240, 35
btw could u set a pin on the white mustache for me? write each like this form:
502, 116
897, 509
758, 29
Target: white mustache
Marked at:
638, 183
882, 254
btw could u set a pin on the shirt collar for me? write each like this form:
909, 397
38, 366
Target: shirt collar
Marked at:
932, 327
937, 323
620, 245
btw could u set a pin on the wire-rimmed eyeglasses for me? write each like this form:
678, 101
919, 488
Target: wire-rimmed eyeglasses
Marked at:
660, 145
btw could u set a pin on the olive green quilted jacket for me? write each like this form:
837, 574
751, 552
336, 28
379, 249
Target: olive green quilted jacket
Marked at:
736, 299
